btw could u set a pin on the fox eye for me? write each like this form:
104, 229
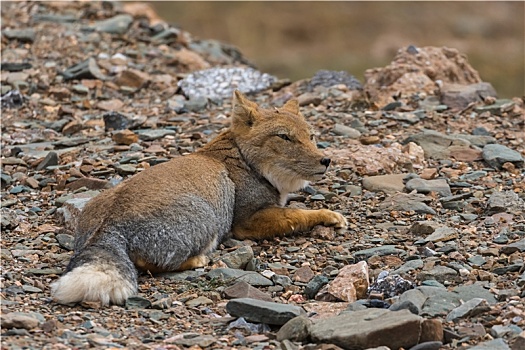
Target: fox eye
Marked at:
284, 137
312, 137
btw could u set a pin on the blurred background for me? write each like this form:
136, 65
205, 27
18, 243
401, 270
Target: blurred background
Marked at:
295, 39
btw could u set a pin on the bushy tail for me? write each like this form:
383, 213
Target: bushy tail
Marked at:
96, 273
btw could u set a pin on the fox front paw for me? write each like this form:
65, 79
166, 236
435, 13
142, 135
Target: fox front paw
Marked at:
333, 219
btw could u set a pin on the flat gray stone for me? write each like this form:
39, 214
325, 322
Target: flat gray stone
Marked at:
243, 289
459, 96
137, 302
196, 104
251, 277
504, 201
473, 175
24, 35
428, 345
114, 25
414, 296
438, 273
183, 275
195, 340
442, 234
154, 134
471, 308
476, 140
297, 329
369, 328
440, 186
496, 155
44, 271
514, 247
343, 130
65, 241
408, 202
380, 251
51, 159
437, 145
259, 311
496, 344
497, 107
476, 290
315, 284
439, 302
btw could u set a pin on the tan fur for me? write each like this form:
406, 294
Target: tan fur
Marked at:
170, 216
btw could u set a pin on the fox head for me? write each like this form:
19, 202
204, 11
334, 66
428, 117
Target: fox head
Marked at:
278, 143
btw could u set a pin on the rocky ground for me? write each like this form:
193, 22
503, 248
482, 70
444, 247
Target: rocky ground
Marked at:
428, 170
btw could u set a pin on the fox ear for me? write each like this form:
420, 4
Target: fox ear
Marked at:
244, 110
292, 106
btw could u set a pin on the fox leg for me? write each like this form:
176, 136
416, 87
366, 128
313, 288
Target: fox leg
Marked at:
271, 222
194, 262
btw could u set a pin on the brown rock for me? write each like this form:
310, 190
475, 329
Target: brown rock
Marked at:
350, 284
256, 338
11, 77
243, 289
369, 140
75, 172
309, 98
431, 330
49, 326
466, 154
60, 93
72, 127
32, 182
111, 105
18, 320
370, 160
424, 227
88, 182
323, 232
190, 60
429, 173
297, 329
411, 83
414, 152
303, 274
125, 137
474, 331
324, 309
132, 78
416, 70
141, 9
519, 342
155, 149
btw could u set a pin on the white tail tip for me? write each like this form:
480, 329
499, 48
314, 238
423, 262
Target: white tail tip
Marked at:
92, 283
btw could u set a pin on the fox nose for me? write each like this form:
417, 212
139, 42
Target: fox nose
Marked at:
325, 162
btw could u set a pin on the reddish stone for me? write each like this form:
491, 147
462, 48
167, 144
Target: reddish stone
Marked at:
303, 274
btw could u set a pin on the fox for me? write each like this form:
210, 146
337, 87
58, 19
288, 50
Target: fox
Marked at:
171, 216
